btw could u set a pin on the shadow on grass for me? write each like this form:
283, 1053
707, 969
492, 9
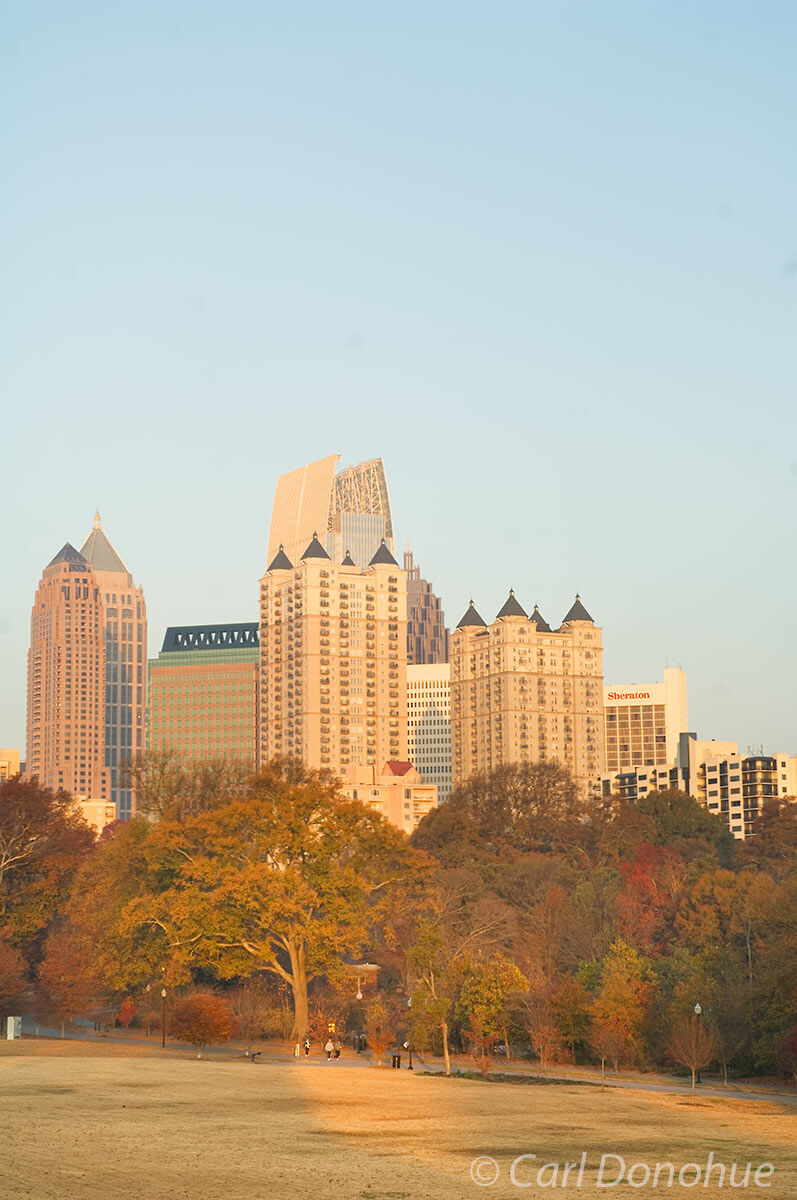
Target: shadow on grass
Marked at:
521, 1080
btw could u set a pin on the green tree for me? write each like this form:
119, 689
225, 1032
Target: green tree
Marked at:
487, 985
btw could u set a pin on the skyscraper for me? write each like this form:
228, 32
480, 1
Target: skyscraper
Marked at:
523, 692
333, 659
427, 636
350, 510
86, 673
429, 723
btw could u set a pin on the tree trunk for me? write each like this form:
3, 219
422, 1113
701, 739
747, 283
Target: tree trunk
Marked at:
603, 1072
301, 1016
693, 1081
446, 1055
507, 1055
63, 1024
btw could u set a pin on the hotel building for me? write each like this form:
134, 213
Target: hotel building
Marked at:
523, 692
203, 693
86, 681
643, 722
333, 659
429, 723
9, 763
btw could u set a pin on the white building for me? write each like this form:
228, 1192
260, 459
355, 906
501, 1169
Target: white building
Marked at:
643, 722
429, 723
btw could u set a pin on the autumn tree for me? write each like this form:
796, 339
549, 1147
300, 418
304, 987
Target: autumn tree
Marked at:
570, 1003
288, 879
169, 788
127, 1013
13, 980
694, 1045
68, 982
42, 840
619, 1009
484, 995
202, 1019
255, 1010
378, 1029
534, 1010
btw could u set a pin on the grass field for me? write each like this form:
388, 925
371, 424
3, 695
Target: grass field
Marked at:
89, 1121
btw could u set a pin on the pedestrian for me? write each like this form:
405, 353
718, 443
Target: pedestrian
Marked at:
297, 1050
330, 1048
306, 1047
337, 1048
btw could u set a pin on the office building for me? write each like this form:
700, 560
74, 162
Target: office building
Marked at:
9, 763
643, 722
333, 659
349, 510
86, 677
427, 636
203, 693
397, 792
523, 692
429, 724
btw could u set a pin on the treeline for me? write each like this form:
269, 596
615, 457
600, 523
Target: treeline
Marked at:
634, 934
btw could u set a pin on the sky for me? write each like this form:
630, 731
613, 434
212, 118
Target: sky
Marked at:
540, 257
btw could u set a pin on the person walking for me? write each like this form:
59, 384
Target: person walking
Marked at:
306, 1047
337, 1048
330, 1048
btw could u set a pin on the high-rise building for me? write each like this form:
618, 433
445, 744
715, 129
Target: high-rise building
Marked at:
350, 510
203, 693
333, 659
643, 721
429, 723
86, 673
523, 692
427, 636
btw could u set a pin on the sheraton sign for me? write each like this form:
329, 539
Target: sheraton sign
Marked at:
628, 696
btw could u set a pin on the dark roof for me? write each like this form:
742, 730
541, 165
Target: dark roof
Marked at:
539, 621
578, 612
99, 552
512, 608
348, 561
383, 555
395, 766
211, 637
68, 554
315, 549
471, 617
280, 561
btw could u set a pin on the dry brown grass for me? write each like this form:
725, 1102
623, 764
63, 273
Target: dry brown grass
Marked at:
84, 1121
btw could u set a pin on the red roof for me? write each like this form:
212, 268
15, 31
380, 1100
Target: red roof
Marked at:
394, 767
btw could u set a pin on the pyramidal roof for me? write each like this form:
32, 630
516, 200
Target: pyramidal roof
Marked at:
471, 617
67, 554
383, 555
280, 561
512, 608
578, 612
99, 552
315, 549
348, 561
539, 621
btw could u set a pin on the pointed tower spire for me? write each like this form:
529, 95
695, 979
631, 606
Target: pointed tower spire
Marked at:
471, 617
512, 608
97, 522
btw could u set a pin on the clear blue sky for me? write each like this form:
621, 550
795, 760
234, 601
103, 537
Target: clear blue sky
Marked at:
542, 257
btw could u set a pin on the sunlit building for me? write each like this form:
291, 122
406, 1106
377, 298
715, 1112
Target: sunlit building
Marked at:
397, 792
203, 693
427, 636
429, 723
643, 721
523, 692
333, 659
349, 510
9, 762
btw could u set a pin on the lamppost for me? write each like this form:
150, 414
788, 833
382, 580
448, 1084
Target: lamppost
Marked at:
698, 1011
358, 1035
163, 1016
408, 1043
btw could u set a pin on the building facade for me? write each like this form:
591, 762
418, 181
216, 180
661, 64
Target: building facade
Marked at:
349, 510
203, 693
333, 659
429, 724
427, 636
397, 792
643, 722
523, 692
86, 673
9, 762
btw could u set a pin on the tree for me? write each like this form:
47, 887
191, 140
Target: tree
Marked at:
42, 840
168, 788
693, 1045
652, 886
201, 1019
289, 879
487, 984
534, 1010
377, 1029
68, 983
127, 1013
687, 826
13, 981
255, 1010
570, 1011
625, 995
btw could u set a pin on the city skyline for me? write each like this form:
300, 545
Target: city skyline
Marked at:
545, 267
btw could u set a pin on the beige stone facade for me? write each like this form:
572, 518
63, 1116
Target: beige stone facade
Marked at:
523, 692
333, 660
397, 792
9, 762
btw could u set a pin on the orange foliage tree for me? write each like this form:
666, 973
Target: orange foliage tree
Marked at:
201, 1019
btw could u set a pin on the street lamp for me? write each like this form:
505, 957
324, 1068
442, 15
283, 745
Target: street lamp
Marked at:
358, 1035
163, 1017
408, 1043
698, 1010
